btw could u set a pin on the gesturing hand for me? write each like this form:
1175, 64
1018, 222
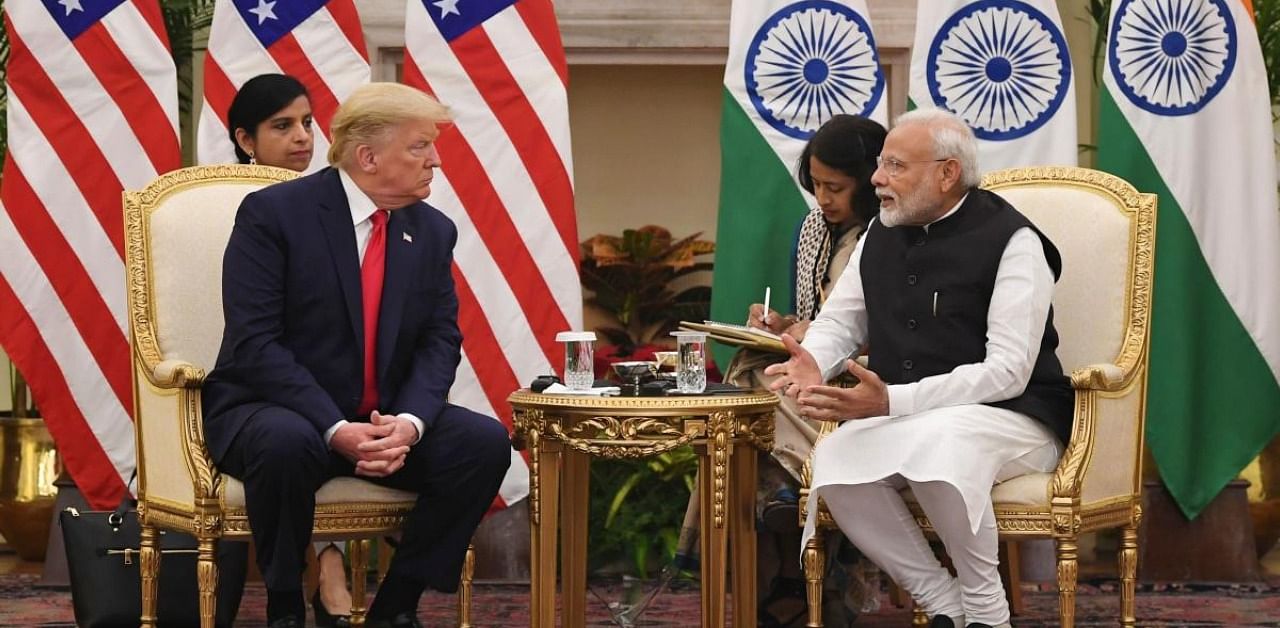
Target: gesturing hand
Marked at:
796, 374
870, 397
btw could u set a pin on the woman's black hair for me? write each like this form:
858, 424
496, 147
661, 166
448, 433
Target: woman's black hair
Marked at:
849, 144
258, 99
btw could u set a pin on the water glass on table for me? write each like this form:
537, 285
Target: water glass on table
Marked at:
691, 361
579, 358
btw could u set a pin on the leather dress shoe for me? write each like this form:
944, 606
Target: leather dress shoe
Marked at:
407, 619
942, 621
288, 621
325, 619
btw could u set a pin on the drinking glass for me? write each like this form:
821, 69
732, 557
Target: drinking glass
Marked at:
691, 361
579, 358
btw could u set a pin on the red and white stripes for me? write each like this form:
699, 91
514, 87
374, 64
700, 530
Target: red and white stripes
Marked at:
507, 181
90, 113
326, 51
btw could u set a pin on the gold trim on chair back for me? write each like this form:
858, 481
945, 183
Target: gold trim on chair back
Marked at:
1105, 230
176, 229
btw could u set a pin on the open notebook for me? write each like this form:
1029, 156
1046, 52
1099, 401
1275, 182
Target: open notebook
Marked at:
738, 335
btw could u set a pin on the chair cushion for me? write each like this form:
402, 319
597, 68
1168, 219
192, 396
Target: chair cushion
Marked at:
345, 490
1031, 489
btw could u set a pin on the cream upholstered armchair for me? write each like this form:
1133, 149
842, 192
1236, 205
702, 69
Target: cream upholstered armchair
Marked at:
176, 231
1105, 231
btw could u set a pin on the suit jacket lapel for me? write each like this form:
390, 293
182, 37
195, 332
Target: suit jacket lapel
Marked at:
403, 261
335, 218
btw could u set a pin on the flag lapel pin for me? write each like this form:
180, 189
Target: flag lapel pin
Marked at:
406, 236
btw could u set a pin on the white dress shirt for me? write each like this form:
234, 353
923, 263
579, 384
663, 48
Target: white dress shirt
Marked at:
362, 208
1015, 323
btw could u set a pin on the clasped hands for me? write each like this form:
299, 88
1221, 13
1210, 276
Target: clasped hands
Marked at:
801, 379
378, 448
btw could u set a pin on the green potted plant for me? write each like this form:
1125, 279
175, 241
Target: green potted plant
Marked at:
632, 278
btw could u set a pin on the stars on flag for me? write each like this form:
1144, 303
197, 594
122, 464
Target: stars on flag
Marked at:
71, 5
448, 7
265, 11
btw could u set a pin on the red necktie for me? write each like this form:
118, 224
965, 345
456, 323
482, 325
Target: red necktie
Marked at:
372, 270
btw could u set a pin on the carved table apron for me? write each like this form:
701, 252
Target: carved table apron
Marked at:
563, 432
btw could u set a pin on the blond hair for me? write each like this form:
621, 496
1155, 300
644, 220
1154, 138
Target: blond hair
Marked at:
372, 111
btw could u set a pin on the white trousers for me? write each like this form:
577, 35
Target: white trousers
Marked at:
875, 518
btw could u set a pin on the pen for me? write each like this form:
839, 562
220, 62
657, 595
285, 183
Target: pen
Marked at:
764, 318
935, 303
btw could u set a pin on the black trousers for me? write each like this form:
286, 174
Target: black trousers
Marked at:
456, 469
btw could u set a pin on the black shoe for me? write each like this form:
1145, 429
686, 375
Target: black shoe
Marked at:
407, 619
288, 621
781, 513
326, 620
942, 621
977, 625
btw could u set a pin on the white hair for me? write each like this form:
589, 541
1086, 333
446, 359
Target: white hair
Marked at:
952, 139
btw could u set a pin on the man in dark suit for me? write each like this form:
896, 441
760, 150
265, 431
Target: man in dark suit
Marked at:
340, 347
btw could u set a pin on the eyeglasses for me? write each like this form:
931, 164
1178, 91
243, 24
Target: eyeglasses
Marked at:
895, 166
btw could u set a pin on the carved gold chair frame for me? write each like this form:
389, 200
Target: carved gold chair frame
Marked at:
1094, 218
179, 488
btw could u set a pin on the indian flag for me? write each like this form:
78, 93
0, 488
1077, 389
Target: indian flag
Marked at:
1186, 115
1003, 66
791, 67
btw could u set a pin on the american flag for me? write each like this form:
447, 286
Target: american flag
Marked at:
318, 42
507, 181
93, 109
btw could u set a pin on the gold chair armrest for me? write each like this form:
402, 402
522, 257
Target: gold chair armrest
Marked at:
1105, 377
177, 374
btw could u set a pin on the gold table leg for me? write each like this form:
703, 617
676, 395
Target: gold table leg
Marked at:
573, 538
742, 533
544, 502
713, 465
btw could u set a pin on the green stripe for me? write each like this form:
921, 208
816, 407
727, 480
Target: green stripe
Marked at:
1213, 402
760, 208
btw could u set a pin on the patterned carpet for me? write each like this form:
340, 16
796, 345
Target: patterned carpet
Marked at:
22, 604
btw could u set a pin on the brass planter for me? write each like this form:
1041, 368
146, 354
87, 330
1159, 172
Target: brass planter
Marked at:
29, 464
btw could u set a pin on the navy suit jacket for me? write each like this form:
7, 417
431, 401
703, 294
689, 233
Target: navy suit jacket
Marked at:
293, 312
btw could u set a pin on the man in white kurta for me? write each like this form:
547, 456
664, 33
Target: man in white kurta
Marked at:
950, 293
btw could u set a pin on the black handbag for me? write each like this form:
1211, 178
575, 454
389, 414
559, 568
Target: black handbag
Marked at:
103, 563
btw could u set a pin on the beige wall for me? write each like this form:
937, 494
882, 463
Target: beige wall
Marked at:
646, 147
